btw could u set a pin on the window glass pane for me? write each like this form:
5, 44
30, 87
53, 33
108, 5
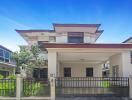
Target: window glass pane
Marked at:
89, 72
1, 59
67, 72
1, 52
7, 54
6, 60
75, 39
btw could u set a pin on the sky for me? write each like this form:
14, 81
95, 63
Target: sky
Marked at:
115, 17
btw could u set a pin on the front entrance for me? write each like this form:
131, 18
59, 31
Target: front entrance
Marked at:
92, 86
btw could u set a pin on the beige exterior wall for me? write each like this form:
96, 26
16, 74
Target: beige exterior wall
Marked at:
79, 69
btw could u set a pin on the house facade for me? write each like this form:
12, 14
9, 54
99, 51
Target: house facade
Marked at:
7, 66
71, 51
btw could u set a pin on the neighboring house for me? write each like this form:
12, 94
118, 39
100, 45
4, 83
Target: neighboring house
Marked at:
7, 66
129, 40
73, 52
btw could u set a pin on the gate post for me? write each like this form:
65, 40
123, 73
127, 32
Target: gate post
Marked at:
130, 86
52, 86
18, 87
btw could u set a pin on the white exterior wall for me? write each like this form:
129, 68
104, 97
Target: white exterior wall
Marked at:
114, 61
126, 64
79, 69
61, 39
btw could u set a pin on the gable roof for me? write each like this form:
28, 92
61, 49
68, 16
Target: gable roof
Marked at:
127, 39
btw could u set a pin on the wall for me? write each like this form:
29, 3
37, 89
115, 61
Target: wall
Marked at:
61, 39
79, 69
116, 60
126, 64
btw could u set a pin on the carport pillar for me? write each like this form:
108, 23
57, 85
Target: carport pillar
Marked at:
52, 62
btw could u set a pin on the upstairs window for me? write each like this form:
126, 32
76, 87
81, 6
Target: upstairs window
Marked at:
75, 37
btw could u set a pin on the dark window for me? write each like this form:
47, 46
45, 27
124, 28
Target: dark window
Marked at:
75, 37
4, 73
89, 72
67, 72
40, 73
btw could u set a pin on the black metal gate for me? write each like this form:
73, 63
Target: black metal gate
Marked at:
92, 86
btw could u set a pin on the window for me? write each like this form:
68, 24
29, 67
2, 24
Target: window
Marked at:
67, 72
1, 55
75, 37
89, 72
7, 56
40, 73
4, 73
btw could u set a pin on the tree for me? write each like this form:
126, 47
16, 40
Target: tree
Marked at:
28, 58
21, 58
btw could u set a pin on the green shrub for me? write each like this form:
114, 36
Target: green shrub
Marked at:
31, 89
7, 88
106, 84
11, 77
1, 76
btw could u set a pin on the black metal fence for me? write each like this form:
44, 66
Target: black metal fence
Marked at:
92, 86
32, 87
8, 87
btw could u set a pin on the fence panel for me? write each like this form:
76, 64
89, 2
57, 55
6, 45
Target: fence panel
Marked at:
7, 87
33, 87
92, 86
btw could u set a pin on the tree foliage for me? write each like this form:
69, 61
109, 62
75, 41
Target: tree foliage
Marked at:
27, 58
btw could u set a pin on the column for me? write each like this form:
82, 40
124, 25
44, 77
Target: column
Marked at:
52, 62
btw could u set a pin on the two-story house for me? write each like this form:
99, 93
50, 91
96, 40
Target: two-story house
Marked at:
72, 51
7, 66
